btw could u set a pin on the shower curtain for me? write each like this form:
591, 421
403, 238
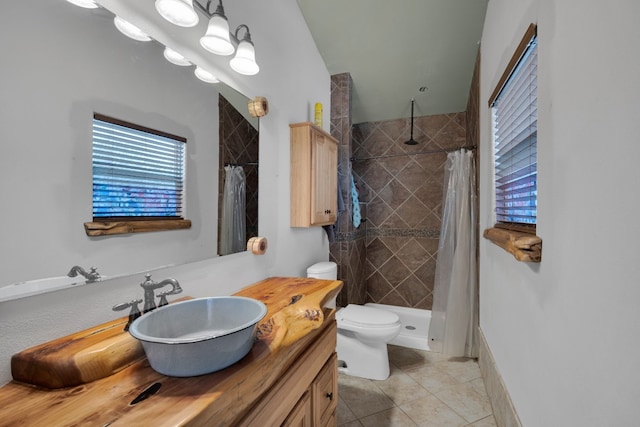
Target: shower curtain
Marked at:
233, 222
454, 317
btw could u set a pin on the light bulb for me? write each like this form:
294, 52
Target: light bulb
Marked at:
205, 76
216, 39
87, 4
175, 58
130, 30
245, 60
178, 12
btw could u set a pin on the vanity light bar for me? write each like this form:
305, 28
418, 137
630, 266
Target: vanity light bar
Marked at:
217, 38
135, 33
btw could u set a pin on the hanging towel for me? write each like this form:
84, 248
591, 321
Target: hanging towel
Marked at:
356, 204
332, 229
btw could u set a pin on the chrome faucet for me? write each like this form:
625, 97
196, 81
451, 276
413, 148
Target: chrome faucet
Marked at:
149, 296
91, 276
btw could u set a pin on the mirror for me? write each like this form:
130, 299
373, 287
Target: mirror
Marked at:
238, 180
65, 63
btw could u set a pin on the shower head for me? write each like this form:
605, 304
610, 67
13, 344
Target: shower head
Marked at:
411, 141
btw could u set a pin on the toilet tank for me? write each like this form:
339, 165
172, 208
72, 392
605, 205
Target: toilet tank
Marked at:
323, 270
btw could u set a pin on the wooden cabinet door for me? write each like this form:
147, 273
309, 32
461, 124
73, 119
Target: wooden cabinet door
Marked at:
324, 179
324, 391
314, 176
300, 415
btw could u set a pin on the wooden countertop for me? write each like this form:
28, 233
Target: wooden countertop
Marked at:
293, 322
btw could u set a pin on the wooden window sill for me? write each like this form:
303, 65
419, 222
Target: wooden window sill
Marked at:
523, 246
126, 227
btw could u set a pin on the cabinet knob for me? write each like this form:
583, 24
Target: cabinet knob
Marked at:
330, 396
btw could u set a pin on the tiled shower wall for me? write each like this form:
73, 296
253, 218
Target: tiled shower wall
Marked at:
391, 257
347, 249
239, 145
404, 196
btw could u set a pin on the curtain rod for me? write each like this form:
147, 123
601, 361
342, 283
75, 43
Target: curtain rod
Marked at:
442, 150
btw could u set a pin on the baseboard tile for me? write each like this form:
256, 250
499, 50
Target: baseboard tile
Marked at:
503, 410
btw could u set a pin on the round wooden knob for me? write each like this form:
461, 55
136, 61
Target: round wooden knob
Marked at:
258, 106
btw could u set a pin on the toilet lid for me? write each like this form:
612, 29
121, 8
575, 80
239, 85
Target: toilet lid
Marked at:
366, 316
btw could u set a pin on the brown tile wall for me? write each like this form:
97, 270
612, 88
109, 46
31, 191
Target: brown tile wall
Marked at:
404, 203
239, 145
391, 257
348, 248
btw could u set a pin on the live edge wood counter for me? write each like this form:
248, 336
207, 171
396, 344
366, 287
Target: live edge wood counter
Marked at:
296, 338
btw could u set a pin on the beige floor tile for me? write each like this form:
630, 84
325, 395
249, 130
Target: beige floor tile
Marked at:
432, 378
362, 396
406, 358
466, 401
431, 412
393, 417
485, 422
462, 369
424, 389
478, 385
343, 412
431, 356
401, 388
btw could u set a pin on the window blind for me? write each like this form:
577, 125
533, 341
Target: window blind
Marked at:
138, 173
515, 129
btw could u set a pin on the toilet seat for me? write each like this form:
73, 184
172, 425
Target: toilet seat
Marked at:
366, 317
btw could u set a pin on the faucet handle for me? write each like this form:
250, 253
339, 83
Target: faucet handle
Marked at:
163, 295
93, 275
163, 299
133, 314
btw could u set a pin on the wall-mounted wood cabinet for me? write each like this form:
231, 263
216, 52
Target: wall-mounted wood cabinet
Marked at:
314, 176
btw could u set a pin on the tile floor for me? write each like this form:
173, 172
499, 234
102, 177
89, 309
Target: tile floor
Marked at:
424, 389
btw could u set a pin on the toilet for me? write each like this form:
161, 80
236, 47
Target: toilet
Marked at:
363, 333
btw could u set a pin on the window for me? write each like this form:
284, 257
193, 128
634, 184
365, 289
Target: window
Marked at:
138, 175
515, 117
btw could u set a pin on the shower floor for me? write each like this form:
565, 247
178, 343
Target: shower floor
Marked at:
415, 326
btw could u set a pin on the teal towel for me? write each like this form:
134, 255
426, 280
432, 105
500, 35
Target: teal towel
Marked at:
356, 204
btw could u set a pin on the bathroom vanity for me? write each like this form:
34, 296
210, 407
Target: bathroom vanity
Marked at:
288, 378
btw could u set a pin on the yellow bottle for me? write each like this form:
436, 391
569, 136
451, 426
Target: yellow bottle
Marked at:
318, 115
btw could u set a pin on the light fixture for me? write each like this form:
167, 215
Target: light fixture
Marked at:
130, 30
178, 12
245, 60
411, 141
205, 76
87, 4
175, 58
217, 38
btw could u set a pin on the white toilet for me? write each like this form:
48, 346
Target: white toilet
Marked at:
363, 333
